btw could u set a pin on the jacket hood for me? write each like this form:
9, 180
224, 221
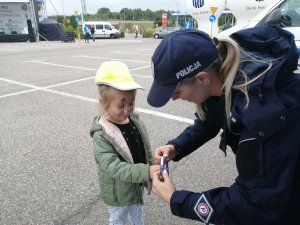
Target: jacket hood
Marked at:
95, 126
268, 44
271, 51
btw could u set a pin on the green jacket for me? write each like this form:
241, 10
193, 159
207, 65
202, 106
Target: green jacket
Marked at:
119, 177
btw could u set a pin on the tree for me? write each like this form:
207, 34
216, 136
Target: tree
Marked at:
72, 21
58, 18
104, 13
65, 21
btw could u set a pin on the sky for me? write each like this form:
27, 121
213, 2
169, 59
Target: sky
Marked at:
68, 7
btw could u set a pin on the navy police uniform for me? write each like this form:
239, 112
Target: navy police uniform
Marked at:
264, 137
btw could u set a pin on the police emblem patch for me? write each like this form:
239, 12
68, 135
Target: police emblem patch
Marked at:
203, 209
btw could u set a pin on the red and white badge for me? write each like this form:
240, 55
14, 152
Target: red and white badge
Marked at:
203, 209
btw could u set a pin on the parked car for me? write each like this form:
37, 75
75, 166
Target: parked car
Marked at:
283, 13
163, 31
103, 29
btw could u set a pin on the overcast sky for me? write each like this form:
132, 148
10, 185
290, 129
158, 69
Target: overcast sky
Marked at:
69, 6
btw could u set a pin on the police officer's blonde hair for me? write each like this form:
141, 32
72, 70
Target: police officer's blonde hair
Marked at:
226, 66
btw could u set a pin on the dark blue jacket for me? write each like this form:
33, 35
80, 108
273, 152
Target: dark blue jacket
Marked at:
265, 138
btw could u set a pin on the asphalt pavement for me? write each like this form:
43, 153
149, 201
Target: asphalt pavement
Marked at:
48, 100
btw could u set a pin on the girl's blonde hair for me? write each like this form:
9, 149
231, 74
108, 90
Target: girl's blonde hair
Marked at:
106, 93
226, 66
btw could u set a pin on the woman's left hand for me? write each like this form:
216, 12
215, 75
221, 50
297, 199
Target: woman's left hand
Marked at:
163, 186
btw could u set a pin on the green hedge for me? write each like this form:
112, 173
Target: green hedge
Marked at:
148, 33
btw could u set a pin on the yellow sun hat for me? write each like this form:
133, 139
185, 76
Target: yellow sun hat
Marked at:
117, 75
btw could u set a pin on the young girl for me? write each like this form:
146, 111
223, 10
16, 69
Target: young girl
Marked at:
121, 145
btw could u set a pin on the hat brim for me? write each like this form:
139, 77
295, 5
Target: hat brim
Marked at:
124, 86
160, 94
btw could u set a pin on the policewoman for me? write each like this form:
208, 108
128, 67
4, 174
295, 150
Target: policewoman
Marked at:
246, 86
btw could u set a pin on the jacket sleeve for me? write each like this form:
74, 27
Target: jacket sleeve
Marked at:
111, 163
259, 195
201, 131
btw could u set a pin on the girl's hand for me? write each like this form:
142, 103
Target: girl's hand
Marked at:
163, 186
152, 170
168, 151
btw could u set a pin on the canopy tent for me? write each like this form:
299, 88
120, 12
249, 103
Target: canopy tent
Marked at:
49, 30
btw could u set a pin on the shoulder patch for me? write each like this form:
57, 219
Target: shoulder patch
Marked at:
203, 209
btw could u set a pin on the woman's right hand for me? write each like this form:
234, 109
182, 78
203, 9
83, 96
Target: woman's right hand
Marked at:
168, 151
163, 186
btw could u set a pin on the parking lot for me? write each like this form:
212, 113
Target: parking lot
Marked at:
48, 100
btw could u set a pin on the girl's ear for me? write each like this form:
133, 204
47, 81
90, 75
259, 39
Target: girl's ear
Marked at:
203, 78
102, 105
102, 102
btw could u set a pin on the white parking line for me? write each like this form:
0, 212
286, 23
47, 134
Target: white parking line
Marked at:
123, 60
139, 68
17, 93
165, 115
60, 65
46, 89
128, 53
10, 50
69, 82
145, 49
81, 68
19, 83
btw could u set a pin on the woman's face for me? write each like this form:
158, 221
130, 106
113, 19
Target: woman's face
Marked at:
196, 92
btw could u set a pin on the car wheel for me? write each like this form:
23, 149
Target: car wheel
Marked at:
156, 36
112, 36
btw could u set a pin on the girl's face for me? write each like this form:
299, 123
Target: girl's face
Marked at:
120, 106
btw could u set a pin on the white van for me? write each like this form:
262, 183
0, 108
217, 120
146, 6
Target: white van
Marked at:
284, 13
103, 29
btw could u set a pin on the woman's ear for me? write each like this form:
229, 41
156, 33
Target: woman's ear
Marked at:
203, 78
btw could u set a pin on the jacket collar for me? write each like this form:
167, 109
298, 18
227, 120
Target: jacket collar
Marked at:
115, 134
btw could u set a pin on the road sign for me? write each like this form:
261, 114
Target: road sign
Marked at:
213, 9
212, 18
76, 19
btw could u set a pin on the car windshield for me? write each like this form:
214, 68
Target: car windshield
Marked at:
168, 29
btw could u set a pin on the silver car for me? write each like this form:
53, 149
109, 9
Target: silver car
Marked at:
163, 31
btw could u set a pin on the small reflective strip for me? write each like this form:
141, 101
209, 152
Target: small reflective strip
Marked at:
249, 139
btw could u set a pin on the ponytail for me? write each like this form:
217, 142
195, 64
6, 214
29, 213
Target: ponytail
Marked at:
226, 67
230, 57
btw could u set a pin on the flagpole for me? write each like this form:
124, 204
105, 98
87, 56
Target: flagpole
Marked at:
32, 6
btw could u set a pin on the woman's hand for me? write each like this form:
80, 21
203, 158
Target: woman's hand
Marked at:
168, 151
152, 170
163, 186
